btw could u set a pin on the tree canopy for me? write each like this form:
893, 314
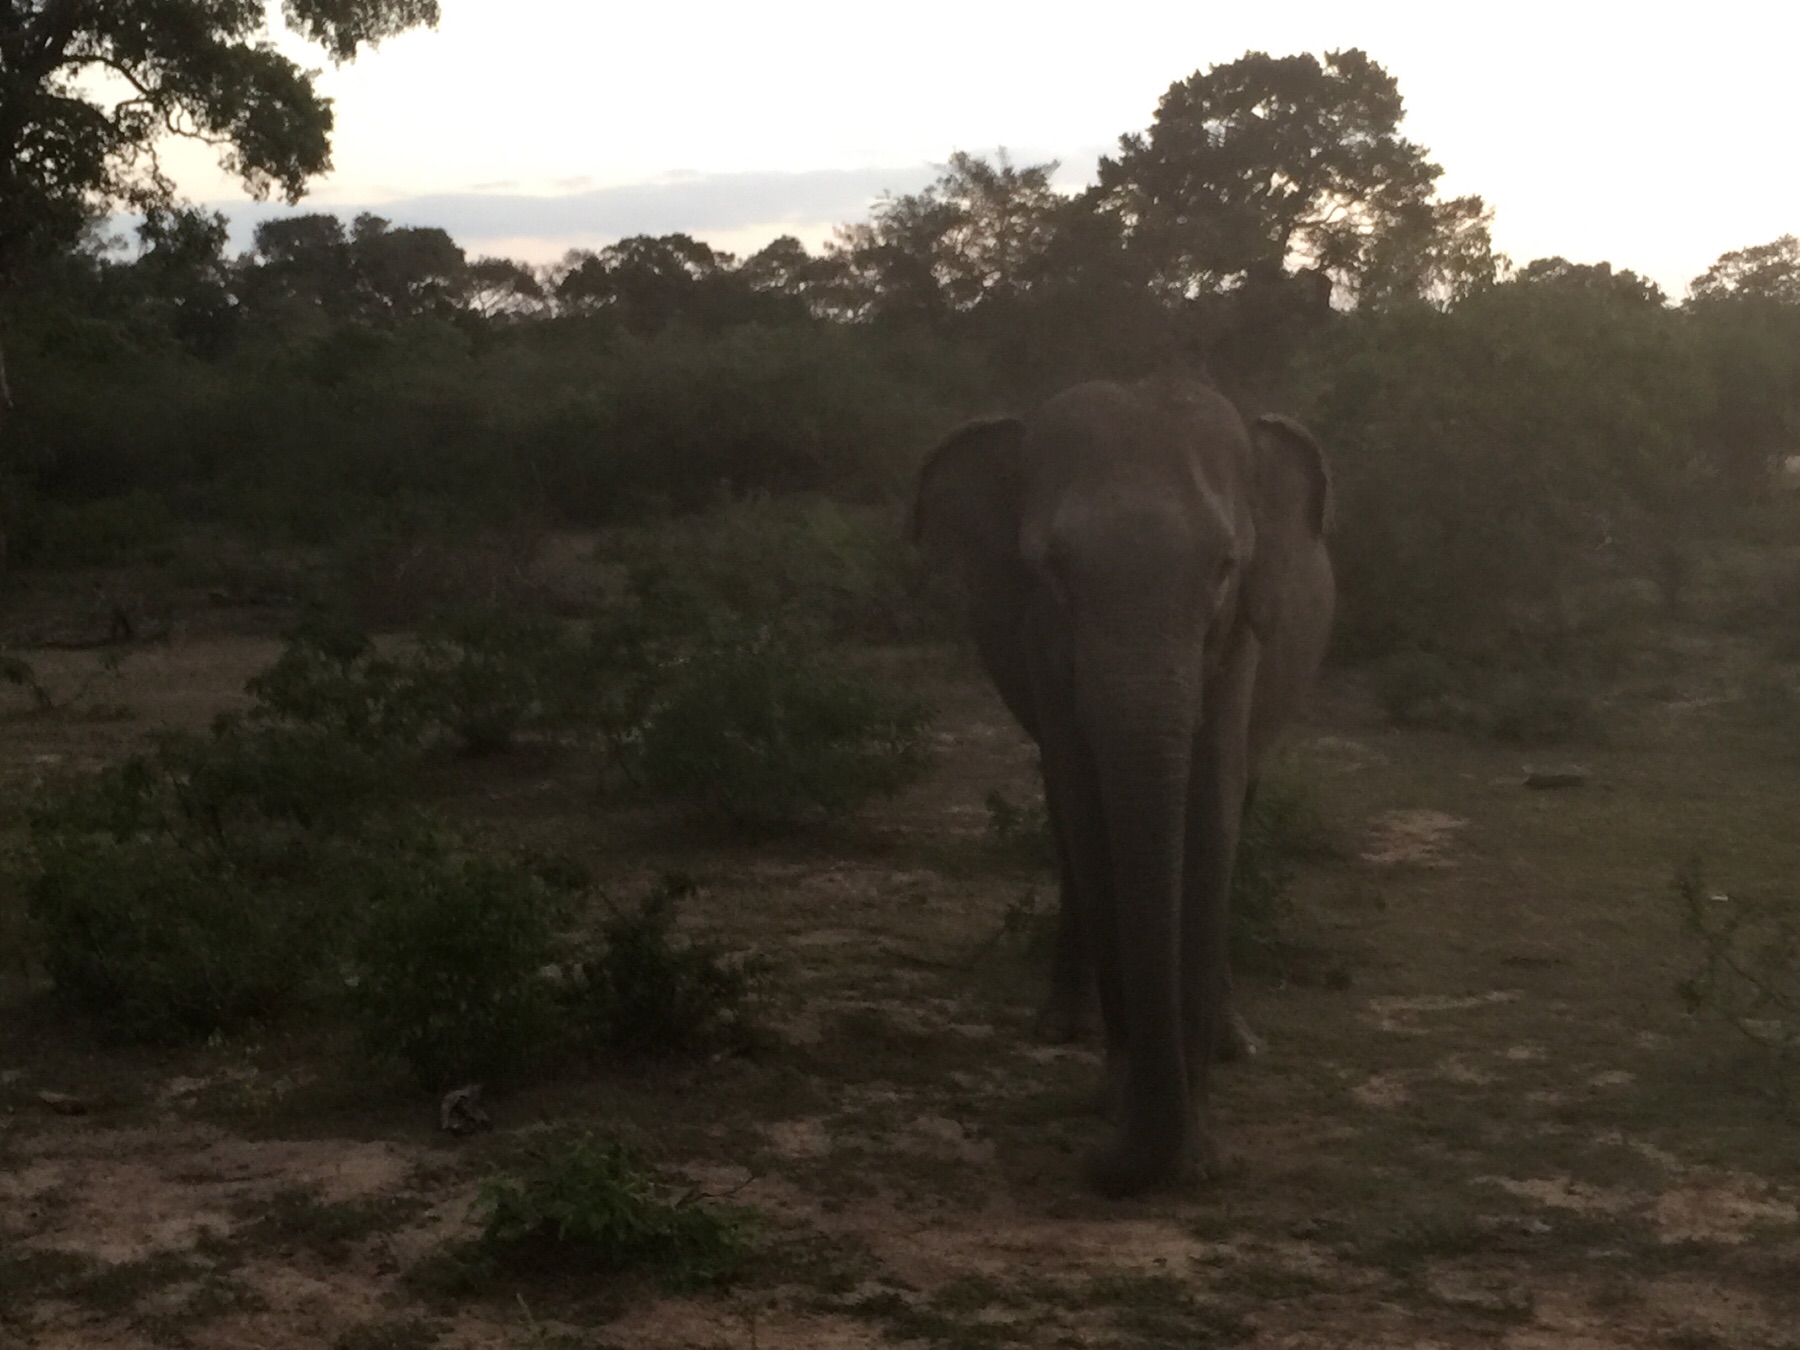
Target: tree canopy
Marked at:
89, 87
1267, 164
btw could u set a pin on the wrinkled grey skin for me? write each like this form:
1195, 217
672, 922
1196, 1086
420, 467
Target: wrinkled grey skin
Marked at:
1151, 594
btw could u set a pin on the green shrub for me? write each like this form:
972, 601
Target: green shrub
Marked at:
1543, 708
160, 944
486, 674
1539, 705
594, 1205
110, 532
764, 731
181, 892
1417, 688
642, 990
1281, 829
846, 571
448, 962
479, 676
1020, 833
1748, 971
329, 677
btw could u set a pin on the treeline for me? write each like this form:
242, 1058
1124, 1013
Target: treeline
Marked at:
1505, 435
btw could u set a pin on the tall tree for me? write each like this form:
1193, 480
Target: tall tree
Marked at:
1768, 271
1271, 164
88, 88
979, 232
1745, 313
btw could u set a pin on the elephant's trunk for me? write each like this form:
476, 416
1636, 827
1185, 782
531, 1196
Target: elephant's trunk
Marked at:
1143, 760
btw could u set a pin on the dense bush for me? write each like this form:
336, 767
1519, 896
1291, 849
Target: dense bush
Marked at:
847, 571
1496, 457
1282, 828
1534, 704
448, 962
764, 729
188, 889
642, 990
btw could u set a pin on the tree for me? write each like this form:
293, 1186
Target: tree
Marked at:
1745, 313
649, 280
980, 231
502, 289
1272, 164
1768, 271
87, 89
182, 277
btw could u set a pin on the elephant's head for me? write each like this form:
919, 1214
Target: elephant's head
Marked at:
1181, 508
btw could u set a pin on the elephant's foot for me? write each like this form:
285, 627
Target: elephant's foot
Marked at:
1236, 1040
1119, 1172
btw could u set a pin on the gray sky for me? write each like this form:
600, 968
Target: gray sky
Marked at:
1654, 138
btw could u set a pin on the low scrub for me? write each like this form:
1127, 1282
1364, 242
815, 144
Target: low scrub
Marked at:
1281, 830
764, 729
1539, 706
1747, 957
594, 1205
448, 963
641, 989
845, 571
185, 890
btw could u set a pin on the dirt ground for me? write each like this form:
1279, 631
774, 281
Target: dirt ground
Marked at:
1483, 1116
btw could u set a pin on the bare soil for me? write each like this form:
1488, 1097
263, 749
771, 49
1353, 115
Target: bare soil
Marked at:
1483, 1117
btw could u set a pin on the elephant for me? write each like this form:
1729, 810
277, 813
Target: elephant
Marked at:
1151, 593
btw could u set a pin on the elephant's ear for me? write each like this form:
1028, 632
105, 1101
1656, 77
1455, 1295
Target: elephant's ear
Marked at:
1291, 472
1293, 512
967, 502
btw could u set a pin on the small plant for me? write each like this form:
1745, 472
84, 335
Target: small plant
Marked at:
448, 964
18, 672
1540, 705
1281, 828
1417, 688
644, 991
1020, 833
765, 732
595, 1203
1542, 708
1749, 970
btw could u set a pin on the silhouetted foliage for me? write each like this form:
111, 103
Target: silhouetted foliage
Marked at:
1507, 439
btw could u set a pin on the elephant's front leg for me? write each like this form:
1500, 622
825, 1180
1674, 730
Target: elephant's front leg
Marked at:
1215, 814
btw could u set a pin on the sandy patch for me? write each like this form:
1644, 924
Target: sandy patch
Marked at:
1405, 1015
1383, 1090
1729, 1207
1416, 837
